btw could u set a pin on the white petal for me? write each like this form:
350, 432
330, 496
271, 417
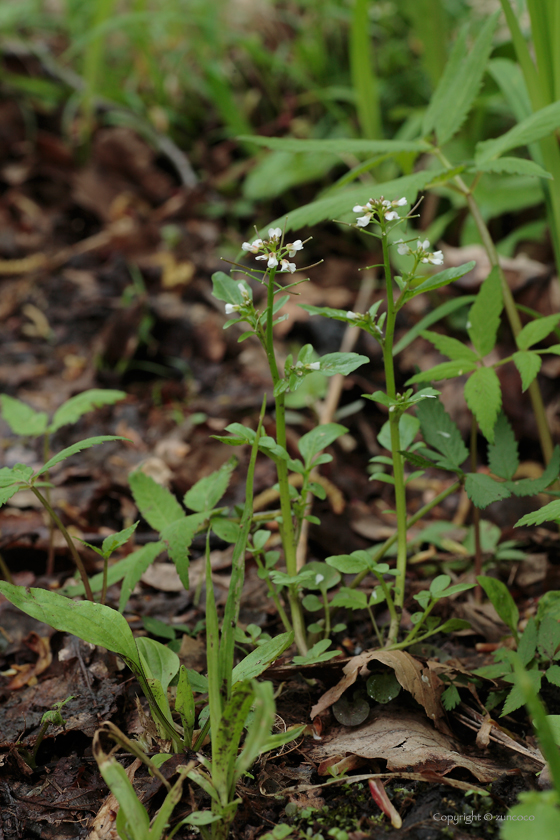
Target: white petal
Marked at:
230, 308
262, 257
392, 215
352, 315
425, 245
386, 203
358, 208
272, 261
246, 246
363, 221
401, 202
314, 366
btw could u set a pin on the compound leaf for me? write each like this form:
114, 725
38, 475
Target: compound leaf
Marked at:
484, 398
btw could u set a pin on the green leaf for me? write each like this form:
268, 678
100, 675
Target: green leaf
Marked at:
450, 347
527, 646
538, 808
15, 474
484, 315
528, 364
349, 564
440, 432
530, 486
225, 288
162, 662
408, 429
142, 558
76, 447
450, 698
548, 513
447, 370
201, 818
503, 457
553, 674
225, 529
513, 166
259, 659
94, 623
536, 330
136, 817
318, 653
483, 490
442, 278
432, 317
76, 407
156, 504
484, 398
549, 637
516, 697
540, 124
343, 363
352, 599
22, 419
318, 439
341, 146
7, 493
206, 493
459, 84
115, 541
499, 595
324, 576
178, 537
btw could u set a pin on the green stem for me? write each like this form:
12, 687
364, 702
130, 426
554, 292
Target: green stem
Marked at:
476, 516
287, 526
77, 559
274, 595
5, 570
104, 586
50, 555
375, 627
398, 462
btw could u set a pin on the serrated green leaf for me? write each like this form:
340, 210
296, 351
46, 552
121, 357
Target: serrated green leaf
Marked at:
115, 541
483, 490
76, 407
513, 166
516, 697
528, 364
503, 456
442, 278
7, 492
540, 124
548, 636
483, 395
527, 646
22, 419
460, 83
450, 698
207, 492
530, 486
536, 330
318, 439
342, 146
500, 596
440, 432
447, 370
432, 317
76, 447
178, 537
156, 504
451, 347
548, 513
12, 475
484, 315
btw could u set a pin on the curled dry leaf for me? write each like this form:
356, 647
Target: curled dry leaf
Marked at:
422, 682
407, 741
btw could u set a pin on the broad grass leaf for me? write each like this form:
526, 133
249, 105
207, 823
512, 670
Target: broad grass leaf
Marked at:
139, 561
540, 124
76, 407
162, 662
156, 504
503, 456
442, 278
447, 370
340, 145
279, 171
536, 330
484, 398
207, 492
483, 490
460, 84
133, 817
94, 623
528, 364
500, 596
451, 347
513, 166
22, 419
76, 447
485, 313
440, 432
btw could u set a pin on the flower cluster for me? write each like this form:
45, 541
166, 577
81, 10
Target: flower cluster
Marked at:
381, 208
422, 252
274, 251
239, 307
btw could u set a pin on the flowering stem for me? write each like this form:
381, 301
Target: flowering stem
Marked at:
287, 526
398, 465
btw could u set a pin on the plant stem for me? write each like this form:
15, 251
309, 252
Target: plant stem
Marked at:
476, 517
287, 525
50, 555
398, 463
5, 570
77, 559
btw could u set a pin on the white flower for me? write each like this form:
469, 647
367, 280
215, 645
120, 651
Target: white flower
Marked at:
435, 259
363, 221
352, 315
231, 308
358, 208
293, 247
314, 366
275, 234
272, 261
392, 215
287, 266
387, 203
401, 202
252, 247
402, 247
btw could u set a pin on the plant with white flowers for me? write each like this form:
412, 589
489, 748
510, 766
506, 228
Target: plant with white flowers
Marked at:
277, 254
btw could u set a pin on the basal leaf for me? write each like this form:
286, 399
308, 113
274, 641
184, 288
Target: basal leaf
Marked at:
76, 447
440, 432
156, 504
503, 457
447, 370
341, 146
499, 595
451, 347
207, 492
540, 124
22, 419
94, 623
484, 315
484, 398
162, 662
76, 407
442, 278
528, 364
513, 166
483, 490
536, 330
318, 439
